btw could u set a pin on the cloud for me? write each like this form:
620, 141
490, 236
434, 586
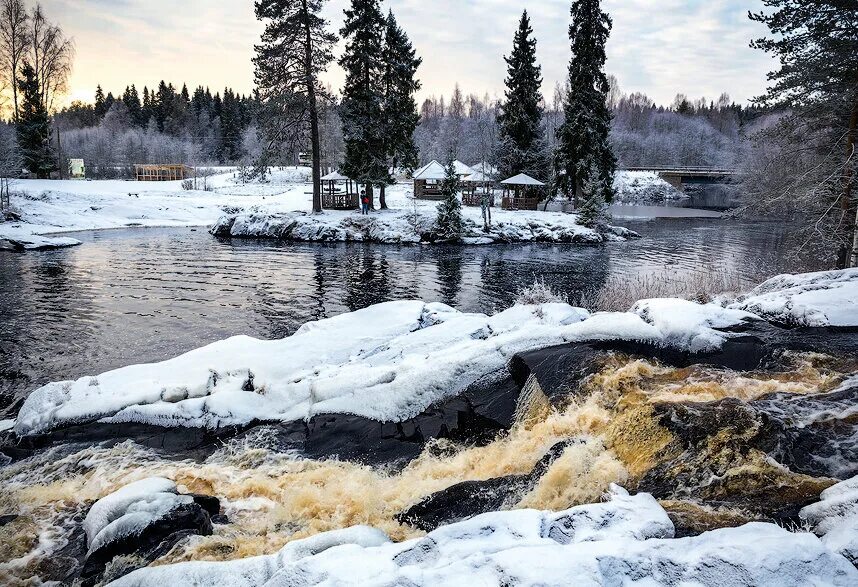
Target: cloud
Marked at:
661, 48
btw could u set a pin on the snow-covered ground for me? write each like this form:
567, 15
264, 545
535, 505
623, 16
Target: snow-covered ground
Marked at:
627, 540
644, 187
48, 207
387, 362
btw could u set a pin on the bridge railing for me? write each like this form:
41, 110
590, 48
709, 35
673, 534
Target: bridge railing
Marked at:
688, 169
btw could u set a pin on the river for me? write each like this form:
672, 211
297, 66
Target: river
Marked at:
142, 295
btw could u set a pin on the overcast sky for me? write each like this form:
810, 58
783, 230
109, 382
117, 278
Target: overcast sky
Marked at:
660, 47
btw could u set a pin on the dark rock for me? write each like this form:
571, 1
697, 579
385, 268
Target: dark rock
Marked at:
6, 518
153, 541
209, 503
470, 498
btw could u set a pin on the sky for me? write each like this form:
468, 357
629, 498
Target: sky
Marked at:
659, 47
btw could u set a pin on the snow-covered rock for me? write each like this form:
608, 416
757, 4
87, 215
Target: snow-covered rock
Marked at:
826, 298
388, 363
835, 518
130, 509
688, 324
22, 240
627, 540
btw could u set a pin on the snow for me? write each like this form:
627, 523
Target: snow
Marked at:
283, 201
825, 298
688, 324
129, 510
643, 187
387, 362
835, 518
6, 425
522, 179
432, 170
627, 540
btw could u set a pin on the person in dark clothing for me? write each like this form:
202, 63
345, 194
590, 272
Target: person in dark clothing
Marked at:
364, 202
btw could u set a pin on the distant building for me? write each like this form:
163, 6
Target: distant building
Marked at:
162, 172
77, 169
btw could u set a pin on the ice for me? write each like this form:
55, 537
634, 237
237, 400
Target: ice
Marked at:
6, 425
835, 518
826, 298
130, 509
626, 540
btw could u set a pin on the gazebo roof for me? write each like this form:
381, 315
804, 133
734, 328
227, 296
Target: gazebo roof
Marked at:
433, 170
478, 177
334, 176
461, 168
485, 167
522, 179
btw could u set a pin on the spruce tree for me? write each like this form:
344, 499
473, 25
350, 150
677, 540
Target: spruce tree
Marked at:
583, 137
400, 108
34, 126
593, 213
132, 101
100, 107
521, 149
361, 108
295, 49
448, 225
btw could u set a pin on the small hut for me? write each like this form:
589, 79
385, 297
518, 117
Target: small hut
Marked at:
476, 185
427, 181
162, 172
339, 192
462, 170
521, 192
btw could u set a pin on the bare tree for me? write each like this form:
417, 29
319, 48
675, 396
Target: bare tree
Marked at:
51, 54
14, 45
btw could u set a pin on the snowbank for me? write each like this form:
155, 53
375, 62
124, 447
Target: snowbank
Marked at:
627, 540
826, 298
835, 518
129, 510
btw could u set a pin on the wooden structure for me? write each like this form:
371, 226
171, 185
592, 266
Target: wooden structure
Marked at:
339, 192
427, 181
162, 172
462, 170
521, 192
476, 186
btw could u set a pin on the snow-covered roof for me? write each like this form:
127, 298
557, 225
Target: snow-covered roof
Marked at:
433, 170
522, 179
461, 168
334, 176
478, 177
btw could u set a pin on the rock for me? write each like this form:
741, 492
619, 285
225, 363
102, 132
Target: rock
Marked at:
835, 518
141, 522
470, 498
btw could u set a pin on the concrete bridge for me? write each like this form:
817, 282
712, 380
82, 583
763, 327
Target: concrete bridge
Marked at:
679, 176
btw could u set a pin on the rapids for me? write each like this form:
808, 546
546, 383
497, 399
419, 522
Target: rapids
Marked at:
272, 496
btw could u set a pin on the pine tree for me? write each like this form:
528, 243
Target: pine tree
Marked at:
100, 107
583, 137
132, 101
400, 108
593, 213
34, 127
520, 135
817, 89
448, 225
361, 109
296, 47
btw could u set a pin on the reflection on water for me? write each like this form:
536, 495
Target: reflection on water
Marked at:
142, 295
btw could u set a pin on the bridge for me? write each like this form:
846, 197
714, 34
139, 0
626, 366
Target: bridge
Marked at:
678, 176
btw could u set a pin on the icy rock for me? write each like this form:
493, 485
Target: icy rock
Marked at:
835, 518
627, 540
826, 298
144, 518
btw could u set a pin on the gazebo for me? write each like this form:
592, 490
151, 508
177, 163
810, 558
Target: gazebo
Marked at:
521, 192
476, 186
427, 181
485, 167
462, 170
336, 197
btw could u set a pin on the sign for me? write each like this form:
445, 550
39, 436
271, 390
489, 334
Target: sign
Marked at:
77, 170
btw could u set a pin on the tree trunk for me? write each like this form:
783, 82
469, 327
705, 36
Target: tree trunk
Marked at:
381, 200
370, 195
314, 112
849, 179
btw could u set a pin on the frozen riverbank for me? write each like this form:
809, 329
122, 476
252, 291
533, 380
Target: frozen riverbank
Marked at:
46, 208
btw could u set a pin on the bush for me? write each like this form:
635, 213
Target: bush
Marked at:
538, 293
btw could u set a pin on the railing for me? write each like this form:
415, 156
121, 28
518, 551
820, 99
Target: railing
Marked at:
687, 169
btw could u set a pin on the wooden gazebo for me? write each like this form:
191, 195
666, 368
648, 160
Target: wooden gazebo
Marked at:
476, 186
521, 192
339, 192
427, 181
